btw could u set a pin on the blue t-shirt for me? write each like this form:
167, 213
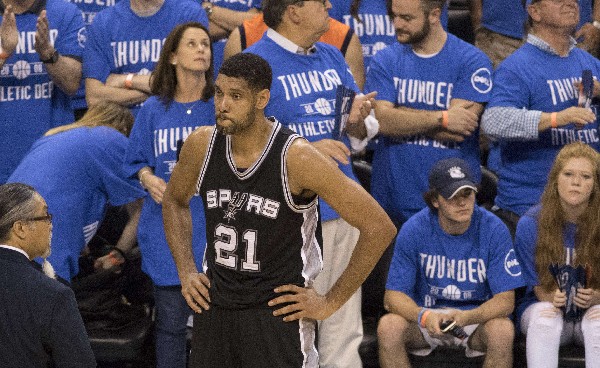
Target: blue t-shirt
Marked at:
439, 270
533, 79
525, 245
237, 5
89, 9
119, 41
303, 93
153, 142
78, 172
30, 102
401, 165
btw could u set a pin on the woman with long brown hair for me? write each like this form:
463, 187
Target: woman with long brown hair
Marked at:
182, 100
563, 229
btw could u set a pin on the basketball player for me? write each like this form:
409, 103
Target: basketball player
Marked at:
259, 181
453, 261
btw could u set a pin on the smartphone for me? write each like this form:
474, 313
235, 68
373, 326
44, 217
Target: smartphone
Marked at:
453, 329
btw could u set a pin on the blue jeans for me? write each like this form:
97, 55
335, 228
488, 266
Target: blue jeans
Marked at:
172, 313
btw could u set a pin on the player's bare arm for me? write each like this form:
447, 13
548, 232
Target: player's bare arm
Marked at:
355, 206
177, 218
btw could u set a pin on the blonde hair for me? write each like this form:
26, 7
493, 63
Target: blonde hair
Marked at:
552, 221
103, 113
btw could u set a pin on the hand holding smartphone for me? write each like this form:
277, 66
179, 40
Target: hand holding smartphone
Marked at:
453, 329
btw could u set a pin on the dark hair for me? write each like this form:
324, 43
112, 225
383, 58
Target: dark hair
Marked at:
273, 10
16, 203
252, 68
426, 5
354, 9
163, 81
428, 197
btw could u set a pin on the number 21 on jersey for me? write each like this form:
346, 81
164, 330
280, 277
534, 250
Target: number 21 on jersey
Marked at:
227, 243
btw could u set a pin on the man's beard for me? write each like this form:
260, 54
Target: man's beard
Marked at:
417, 37
237, 126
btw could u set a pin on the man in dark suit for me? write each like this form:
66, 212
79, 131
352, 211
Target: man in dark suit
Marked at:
40, 325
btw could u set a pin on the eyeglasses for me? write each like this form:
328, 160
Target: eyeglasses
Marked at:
47, 218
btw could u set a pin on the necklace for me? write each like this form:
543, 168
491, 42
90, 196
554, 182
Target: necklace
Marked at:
191, 106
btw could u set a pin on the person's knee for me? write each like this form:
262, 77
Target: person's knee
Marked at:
545, 318
499, 334
391, 330
590, 326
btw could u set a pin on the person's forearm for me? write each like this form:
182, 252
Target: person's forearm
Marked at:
65, 73
177, 221
401, 304
369, 248
228, 19
501, 305
402, 121
96, 92
129, 235
510, 123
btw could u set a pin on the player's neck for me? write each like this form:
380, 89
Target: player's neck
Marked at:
146, 8
433, 43
558, 38
248, 145
19, 6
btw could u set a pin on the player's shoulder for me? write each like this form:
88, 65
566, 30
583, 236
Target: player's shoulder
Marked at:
201, 135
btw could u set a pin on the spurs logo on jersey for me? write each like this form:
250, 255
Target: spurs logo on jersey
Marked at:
235, 205
241, 201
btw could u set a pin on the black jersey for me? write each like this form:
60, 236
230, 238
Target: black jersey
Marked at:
259, 236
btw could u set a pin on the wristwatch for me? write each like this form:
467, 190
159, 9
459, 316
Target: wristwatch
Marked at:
52, 59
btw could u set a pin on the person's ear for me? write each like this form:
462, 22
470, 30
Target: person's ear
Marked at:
262, 99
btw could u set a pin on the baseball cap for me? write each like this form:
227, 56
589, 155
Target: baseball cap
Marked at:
450, 175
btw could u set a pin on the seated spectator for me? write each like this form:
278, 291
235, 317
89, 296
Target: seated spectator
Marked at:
562, 229
533, 111
182, 88
40, 325
78, 169
338, 35
453, 262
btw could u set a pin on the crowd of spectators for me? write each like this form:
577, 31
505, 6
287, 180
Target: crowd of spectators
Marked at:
516, 97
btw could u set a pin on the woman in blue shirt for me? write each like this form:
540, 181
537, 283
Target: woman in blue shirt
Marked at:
182, 90
563, 229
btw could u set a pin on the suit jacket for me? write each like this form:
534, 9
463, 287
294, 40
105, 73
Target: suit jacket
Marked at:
40, 325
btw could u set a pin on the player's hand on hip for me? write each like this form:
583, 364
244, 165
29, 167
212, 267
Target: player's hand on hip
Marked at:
194, 287
333, 149
301, 303
579, 116
9, 35
461, 120
559, 299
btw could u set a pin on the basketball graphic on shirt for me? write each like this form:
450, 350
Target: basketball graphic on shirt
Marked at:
323, 106
21, 69
451, 292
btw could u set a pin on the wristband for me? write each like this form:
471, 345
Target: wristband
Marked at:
128, 81
553, 122
445, 119
420, 315
119, 251
142, 177
423, 320
4, 55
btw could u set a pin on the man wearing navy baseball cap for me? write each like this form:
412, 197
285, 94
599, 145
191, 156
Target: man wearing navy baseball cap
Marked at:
452, 277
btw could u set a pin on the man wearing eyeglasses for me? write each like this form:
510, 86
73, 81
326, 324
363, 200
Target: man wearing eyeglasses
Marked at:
40, 325
306, 74
535, 108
